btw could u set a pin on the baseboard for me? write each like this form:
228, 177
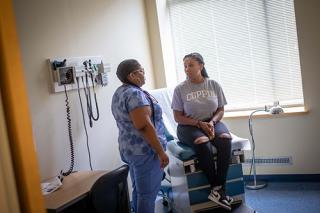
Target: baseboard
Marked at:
286, 178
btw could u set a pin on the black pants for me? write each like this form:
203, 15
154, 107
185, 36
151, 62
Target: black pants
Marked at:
216, 176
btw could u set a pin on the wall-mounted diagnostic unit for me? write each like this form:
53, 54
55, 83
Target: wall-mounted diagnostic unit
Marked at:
65, 71
75, 73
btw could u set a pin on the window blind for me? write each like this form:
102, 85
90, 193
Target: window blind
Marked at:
249, 46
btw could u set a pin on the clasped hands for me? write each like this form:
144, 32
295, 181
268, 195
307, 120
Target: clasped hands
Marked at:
208, 128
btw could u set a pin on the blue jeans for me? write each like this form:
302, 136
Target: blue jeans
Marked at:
146, 176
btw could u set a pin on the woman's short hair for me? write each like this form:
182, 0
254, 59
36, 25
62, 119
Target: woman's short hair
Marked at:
198, 58
125, 68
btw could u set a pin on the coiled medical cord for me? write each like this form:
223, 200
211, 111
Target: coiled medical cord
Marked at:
85, 126
70, 135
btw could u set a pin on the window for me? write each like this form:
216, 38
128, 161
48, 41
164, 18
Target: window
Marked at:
249, 46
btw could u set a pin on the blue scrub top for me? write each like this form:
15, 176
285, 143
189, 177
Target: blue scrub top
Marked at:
131, 142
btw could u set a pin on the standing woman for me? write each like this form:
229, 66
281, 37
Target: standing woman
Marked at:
141, 135
198, 107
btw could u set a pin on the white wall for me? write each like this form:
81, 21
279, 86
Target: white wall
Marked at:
115, 29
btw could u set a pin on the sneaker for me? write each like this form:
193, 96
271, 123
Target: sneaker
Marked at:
219, 199
229, 199
225, 197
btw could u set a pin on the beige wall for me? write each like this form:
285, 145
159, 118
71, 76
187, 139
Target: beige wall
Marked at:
161, 42
115, 29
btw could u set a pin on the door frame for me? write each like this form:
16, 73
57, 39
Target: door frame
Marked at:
17, 115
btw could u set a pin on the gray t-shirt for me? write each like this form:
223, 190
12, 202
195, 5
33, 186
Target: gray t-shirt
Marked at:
198, 101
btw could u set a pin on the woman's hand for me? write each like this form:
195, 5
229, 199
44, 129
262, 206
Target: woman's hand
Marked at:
164, 159
208, 128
